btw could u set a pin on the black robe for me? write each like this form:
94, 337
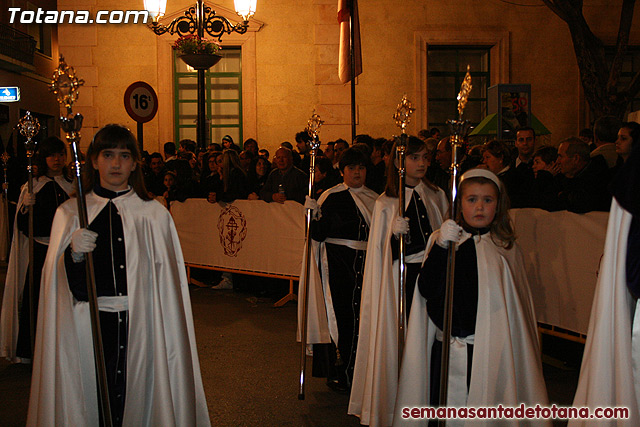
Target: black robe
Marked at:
48, 198
419, 231
341, 219
432, 285
109, 258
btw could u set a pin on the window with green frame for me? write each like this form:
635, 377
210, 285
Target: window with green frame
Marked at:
223, 91
446, 68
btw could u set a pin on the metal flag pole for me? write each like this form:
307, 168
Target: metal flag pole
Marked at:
29, 127
402, 118
459, 129
352, 66
65, 85
5, 187
313, 128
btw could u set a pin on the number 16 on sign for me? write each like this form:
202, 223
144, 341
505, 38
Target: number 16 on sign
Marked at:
141, 103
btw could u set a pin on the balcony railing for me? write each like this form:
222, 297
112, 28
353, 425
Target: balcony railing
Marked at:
16, 44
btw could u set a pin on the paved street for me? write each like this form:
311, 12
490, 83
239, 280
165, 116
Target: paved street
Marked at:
250, 365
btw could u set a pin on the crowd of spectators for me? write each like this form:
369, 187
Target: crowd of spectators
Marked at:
573, 176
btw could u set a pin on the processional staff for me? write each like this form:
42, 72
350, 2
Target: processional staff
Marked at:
29, 127
5, 211
313, 128
402, 118
459, 129
65, 85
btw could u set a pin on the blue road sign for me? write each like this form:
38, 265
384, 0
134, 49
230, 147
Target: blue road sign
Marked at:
9, 94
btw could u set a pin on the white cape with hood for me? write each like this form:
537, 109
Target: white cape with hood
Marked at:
506, 367
375, 378
321, 319
610, 373
163, 385
17, 273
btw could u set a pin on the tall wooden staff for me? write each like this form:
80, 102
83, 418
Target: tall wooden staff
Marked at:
29, 127
313, 128
5, 211
65, 85
402, 118
459, 129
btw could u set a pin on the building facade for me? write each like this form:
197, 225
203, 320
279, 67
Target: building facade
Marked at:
287, 66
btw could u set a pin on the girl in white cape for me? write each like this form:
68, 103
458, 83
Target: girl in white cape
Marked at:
51, 187
494, 353
375, 377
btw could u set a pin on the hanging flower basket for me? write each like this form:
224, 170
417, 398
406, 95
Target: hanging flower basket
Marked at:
200, 61
197, 52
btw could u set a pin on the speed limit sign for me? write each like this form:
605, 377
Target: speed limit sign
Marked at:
141, 102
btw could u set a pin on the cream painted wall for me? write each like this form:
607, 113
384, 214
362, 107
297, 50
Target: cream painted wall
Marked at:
296, 63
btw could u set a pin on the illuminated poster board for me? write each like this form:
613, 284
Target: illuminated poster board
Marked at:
512, 103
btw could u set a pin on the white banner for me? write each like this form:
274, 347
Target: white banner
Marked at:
245, 235
562, 250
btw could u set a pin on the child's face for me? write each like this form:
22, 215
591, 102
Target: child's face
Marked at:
416, 166
354, 175
55, 163
114, 166
479, 203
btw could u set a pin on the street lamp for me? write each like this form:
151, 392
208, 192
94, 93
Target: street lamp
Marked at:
199, 19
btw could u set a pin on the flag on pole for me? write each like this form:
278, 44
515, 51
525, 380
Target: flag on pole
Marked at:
344, 60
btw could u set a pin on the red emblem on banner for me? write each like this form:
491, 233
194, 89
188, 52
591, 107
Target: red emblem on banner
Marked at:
232, 229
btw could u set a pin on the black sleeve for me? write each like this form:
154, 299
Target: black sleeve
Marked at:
433, 273
320, 228
76, 276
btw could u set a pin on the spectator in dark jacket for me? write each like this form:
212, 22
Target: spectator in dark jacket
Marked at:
583, 184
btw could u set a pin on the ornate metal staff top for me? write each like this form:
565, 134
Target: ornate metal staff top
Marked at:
403, 113
28, 126
313, 125
65, 85
463, 96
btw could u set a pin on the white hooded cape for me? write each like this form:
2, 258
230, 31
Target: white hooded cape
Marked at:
321, 319
375, 377
611, 363
164, 385
17, 273
506, 367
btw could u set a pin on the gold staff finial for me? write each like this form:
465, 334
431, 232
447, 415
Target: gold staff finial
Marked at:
403, 113
313, 125
65, 85
28, 126
465, 89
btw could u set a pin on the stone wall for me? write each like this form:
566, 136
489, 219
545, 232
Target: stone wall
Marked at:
295, 55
